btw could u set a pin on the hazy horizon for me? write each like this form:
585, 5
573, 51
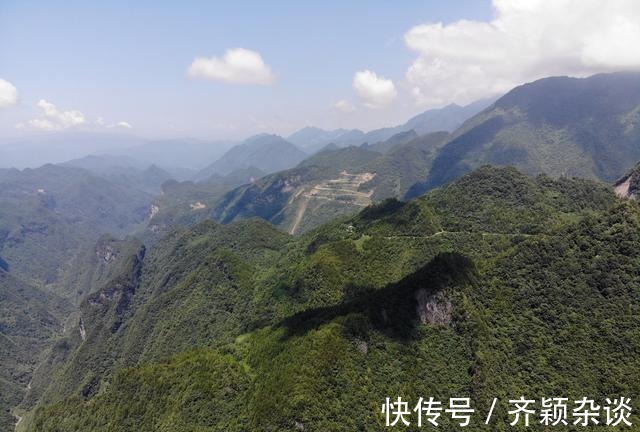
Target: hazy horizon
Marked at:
220, 72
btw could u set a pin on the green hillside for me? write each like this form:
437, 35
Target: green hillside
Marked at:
49, 214
498, 285
50, 220
29, 319
584, 127
187, 203
332, 183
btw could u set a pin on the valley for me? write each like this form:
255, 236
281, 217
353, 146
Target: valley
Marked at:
279, 286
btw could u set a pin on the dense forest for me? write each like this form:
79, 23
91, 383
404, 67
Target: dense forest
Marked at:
498, 285
296, 284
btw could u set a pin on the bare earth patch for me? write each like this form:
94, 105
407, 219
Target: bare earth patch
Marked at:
622, 190
345, 188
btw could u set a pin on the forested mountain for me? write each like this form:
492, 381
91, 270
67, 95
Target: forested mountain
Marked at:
496, 285
268, 153
180, 154
50, 220
50, 213
586, 127
312, 139
29, 319
447, 119
35, 151
124, 171
131, 301
186, 203
332, 183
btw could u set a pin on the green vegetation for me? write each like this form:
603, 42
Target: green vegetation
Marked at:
559, 126
333, 183
498, 285
29, 318
50, 220
187, 203
52, 213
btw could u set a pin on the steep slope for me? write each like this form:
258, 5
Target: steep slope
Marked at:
50, 220
29, 319
268, 153
628, 186
124, 171
94, 266
49, 214
332, 183
394, 141
436, 296
311, 139
173, 154
187, 203
37, 150
194, 288
404, 164
447, 119
562, 126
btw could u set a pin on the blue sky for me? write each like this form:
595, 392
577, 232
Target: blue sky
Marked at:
127, 61
71, 62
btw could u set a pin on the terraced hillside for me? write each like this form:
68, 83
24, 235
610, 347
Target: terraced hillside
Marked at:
343, 193
332, 183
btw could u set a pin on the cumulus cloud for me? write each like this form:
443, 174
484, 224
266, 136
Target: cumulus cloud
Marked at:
527, 39
344, 106
54, 119
237, 66
122, 124
375, 91
8, 94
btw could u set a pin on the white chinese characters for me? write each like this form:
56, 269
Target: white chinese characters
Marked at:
553, 411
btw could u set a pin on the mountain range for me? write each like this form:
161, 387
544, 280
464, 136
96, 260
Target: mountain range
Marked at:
537, 127
268, 153
291, 286
448, 118
586, 127
332, 183
460, 292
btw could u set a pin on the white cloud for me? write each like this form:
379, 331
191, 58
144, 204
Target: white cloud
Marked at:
344, 106
527, 40
238, 66
54, 119
375, 91
8, 94
122, 124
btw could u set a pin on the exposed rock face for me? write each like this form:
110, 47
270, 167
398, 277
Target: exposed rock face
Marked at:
622, 189
433, 308
153, 210
361, 345
106, 252
116, 296
629, 185
83, 330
